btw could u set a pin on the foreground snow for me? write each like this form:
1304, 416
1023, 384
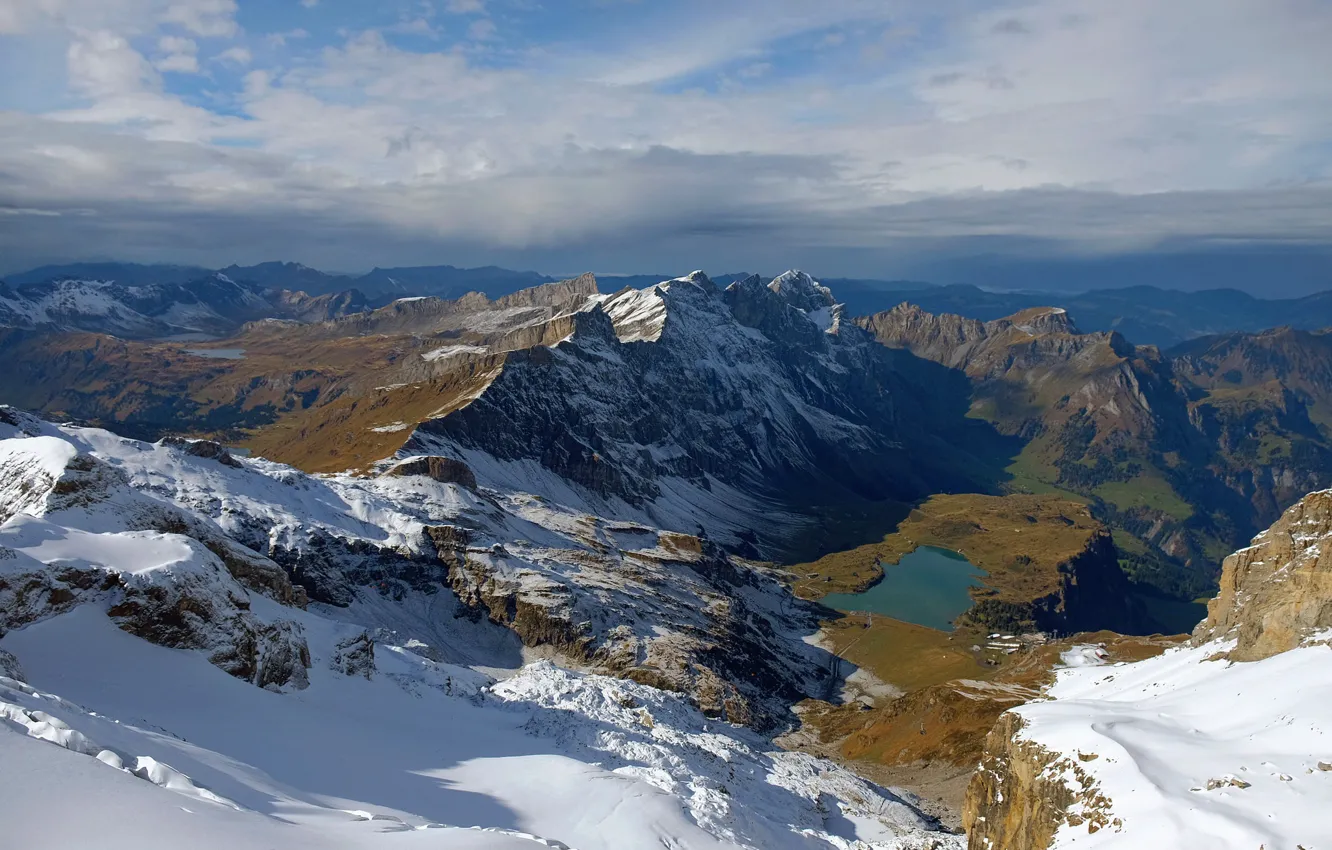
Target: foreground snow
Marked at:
431, 751
1195, 751
201, 705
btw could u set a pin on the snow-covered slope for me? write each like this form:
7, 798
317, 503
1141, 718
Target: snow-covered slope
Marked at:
201, 705
1226, 743
1187, 750
475, 572
420, 752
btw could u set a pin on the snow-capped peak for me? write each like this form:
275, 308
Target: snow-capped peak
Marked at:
800, 290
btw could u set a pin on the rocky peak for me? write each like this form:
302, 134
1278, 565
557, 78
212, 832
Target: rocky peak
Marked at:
801, 291
698, 278
1277, 592
942, 337
1043, 320
777, 403
793, 307
564, 294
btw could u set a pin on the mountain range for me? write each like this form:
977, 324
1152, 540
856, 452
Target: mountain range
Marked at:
795, 411
353, 518
1147, 315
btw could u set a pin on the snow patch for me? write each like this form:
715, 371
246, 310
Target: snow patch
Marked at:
1195, 752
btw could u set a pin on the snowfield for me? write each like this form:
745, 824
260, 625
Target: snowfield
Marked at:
546, 758
1194, 751
161, 687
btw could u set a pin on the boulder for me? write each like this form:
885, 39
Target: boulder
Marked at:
210, 449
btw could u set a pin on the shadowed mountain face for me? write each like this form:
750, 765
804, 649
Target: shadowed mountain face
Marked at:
742, 399
1187, 453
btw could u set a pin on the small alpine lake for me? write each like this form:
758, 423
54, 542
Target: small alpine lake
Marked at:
928, 586
218, 353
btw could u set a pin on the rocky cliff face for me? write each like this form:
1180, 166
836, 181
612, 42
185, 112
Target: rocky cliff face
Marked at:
1020, 795
1093, 592
1276, 592
73, 531
1040, 351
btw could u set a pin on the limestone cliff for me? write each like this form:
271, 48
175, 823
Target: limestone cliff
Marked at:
1278, 590
1020, 794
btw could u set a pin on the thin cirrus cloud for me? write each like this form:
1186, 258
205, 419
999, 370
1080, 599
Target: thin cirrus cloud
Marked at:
853, 132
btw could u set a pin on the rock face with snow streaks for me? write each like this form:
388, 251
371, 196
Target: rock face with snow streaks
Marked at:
785, 403
355, 655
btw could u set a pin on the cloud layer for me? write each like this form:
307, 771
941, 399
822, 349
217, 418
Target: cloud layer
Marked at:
469, 131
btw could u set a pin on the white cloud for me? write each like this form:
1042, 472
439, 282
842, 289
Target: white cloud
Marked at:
177, 44
1067, 119
280, 39
309, 4
238, 55
208, 18
181, 55
103, 64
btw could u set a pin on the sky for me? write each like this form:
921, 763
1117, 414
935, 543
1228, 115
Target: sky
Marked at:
945, 140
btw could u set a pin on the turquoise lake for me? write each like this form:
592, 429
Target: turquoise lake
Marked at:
927, 587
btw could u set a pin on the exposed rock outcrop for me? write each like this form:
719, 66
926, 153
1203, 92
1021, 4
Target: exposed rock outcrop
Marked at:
194, 612
355, 656
193, 603
1022, 793
166, 575
445, 470
1093, 593
10, 667
1278, 590
729, 656
210, 449
46, 475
